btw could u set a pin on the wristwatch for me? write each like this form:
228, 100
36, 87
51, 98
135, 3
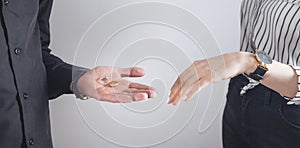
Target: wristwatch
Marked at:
262, 59
78, 73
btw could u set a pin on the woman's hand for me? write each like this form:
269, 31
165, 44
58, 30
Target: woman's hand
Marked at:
96, 84
204, 72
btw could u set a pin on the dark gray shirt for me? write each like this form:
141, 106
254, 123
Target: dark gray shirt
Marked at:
30, 74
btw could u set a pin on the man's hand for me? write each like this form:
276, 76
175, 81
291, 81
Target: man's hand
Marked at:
107, 84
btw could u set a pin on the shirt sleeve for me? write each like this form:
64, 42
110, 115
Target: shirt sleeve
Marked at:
59, 73
296, 100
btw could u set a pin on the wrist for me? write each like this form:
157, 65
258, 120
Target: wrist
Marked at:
249, 62
75, 85
243, 62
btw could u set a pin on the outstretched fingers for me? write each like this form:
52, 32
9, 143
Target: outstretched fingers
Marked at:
131, 72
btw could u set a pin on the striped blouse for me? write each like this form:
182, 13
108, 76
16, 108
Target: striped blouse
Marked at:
273, 26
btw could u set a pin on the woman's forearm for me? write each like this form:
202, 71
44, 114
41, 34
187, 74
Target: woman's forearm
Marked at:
280, 77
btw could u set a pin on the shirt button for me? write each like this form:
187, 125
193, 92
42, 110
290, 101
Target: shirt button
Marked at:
25, 96
18, 51
31, 141
6, 2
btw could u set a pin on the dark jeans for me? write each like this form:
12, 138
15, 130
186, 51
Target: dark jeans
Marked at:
259, 119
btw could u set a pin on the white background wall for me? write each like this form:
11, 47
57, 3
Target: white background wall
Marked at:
169, 36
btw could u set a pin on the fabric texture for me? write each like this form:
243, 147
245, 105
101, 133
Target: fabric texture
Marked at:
261, 118
274, 27
30, 74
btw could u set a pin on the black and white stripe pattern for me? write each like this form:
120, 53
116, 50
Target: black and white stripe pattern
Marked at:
276, 30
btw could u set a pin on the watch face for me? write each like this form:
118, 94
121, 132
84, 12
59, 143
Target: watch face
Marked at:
264, 57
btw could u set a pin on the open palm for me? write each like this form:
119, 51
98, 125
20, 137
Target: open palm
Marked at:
108, 84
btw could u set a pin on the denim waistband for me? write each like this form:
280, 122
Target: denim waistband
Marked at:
240, 81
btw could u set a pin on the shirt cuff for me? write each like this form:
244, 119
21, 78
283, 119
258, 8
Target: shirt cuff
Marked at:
296, 100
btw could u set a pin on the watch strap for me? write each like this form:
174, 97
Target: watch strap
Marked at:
258, 74
79, 74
